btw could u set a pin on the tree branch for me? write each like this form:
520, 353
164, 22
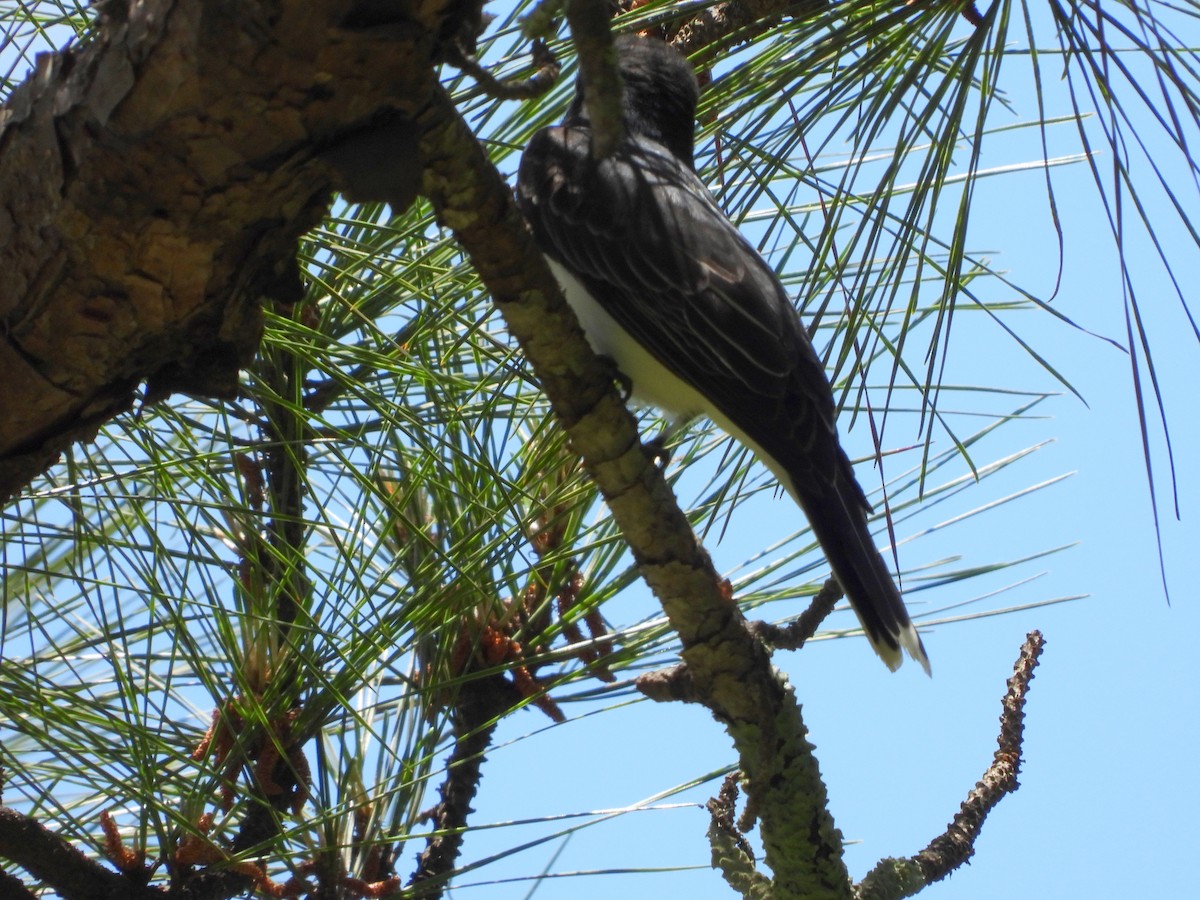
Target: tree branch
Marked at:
163, 173
731, 852
593, 41
53, 861
742, 19
796, 634
477, 709
892, 879
11, 888
730, 669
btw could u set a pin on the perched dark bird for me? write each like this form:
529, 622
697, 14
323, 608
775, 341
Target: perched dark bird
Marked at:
666, 286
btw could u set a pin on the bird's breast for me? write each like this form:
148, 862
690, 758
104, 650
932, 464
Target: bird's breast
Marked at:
652, 383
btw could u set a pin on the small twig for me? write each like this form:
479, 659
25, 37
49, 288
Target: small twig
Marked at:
731, 852
972, 14
668, 685
794, 635
675, 683
957, 845
895, 878
545, 75
285, 471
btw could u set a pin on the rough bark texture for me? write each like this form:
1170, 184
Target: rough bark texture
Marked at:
55, 862
154, 183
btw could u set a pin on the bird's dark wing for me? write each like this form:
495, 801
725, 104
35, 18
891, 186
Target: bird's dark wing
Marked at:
642, 232
645, 237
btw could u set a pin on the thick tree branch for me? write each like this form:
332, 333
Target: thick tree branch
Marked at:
154, 183
50, 859
741, 20
598, 70
730, 669
12, 888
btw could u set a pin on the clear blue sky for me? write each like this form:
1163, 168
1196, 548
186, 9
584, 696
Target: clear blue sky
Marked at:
1108, 794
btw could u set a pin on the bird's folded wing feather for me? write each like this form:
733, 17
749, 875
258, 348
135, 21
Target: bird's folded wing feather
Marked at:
652, 246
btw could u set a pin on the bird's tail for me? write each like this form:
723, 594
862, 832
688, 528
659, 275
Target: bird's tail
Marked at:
838, 517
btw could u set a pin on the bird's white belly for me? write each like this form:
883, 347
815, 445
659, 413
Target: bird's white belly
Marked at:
652, 383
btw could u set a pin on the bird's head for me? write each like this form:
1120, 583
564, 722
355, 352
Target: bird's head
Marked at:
659, 97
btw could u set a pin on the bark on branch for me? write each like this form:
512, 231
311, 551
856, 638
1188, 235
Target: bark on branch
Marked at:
477, 711
53, 861
154, 183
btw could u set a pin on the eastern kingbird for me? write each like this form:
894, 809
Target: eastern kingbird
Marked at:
665, 285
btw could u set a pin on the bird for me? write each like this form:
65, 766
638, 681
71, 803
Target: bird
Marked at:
693, 318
